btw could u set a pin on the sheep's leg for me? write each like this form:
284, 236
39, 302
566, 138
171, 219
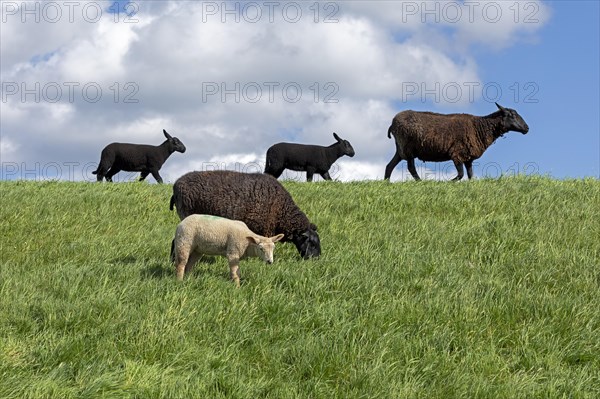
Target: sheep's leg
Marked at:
185, 264
325, 176
157, 176
193, 258
101, 171
412, 169
144, 175
469, 165
275, 172
309, 175
113, 171
234, 271
391, 165
180, 268
459, 169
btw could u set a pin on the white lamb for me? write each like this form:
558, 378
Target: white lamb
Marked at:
198, 235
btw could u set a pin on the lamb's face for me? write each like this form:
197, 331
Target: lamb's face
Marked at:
174, 142
346, 146
348, 150
265, 251
177, 145
264, 247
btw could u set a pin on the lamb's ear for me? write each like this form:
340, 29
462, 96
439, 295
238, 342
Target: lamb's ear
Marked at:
167, 135
252, 239
313, 227
335, 136
277, 238
500, 107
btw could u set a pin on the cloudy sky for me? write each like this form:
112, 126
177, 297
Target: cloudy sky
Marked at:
232, 78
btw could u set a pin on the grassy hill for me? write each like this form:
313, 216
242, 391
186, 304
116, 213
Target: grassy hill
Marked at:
487, 288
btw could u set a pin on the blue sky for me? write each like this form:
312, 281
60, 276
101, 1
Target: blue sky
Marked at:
564, 63
168, 54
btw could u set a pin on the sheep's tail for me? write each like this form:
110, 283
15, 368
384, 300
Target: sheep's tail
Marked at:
95, 172
172, 202
390, 131
172, 251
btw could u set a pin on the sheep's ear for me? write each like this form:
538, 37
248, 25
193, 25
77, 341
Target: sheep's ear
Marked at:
253, 240
500, 107
306, 234
335, 136
167, 135
313, 227
277, 238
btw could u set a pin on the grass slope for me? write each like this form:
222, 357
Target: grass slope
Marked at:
485, 288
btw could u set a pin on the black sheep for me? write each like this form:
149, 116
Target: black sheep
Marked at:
461, 138
306, 158
143, 158
256, 199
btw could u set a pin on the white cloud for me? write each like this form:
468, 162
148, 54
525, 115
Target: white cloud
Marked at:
497, 24
100, 56
145, 130
7, 147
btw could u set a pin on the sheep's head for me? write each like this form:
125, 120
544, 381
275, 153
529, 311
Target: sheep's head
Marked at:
174, 143
263, 247
346, 146
308, 243
511, 120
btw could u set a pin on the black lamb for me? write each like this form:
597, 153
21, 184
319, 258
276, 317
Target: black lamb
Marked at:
256, 199
461, 138
143, 158
306, 158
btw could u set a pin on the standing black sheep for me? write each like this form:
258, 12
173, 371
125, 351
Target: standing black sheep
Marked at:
256, 199
306, 158
143, 158
461, 138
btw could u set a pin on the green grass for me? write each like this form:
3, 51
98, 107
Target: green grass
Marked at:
487, 288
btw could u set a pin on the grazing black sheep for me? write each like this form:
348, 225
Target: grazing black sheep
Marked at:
143, 158
306, 158
256, 199
461, 138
